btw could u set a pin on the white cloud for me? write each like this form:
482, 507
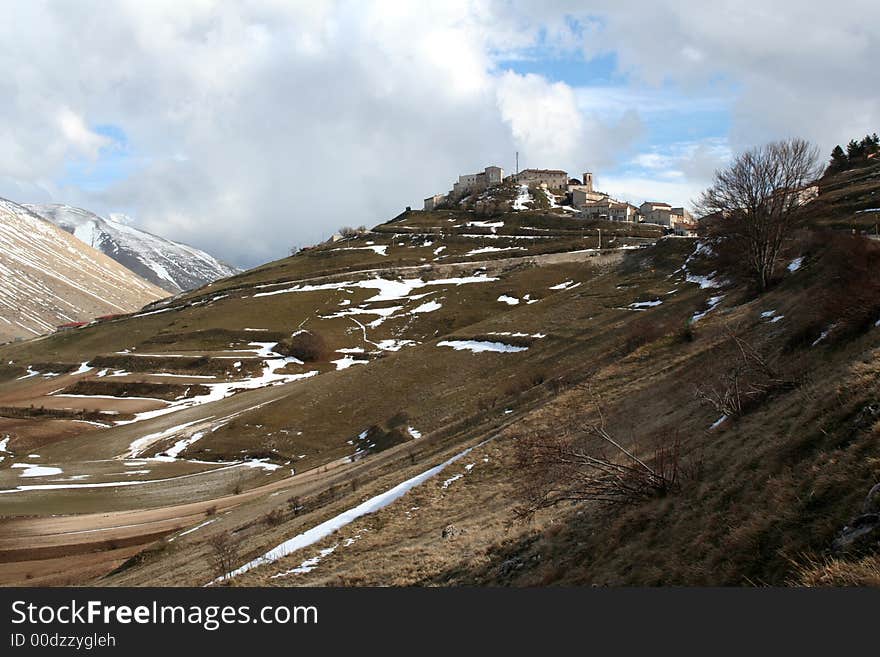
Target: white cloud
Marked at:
257, 124
81, 139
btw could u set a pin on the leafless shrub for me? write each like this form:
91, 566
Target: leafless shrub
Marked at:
294, 504
274, 517
745, 383
224, 556
590, 464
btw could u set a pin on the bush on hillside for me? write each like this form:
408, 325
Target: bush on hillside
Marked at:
589, 464
847, 298
306, 346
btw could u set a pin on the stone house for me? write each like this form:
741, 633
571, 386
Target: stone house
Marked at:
610, 210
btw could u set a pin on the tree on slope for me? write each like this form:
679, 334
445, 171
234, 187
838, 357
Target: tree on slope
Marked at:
839, 160
759, 195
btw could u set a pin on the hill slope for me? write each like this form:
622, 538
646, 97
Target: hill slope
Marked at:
48, 277
170, 265
396, 445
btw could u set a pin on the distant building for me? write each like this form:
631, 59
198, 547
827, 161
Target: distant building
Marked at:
553, 178
585, 186
432, 202
610, 210
581, 198
663, 214
679, 216
477, 182
655, 212
685, 228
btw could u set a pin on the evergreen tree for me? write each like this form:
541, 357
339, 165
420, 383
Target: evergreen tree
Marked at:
839, 161
854, 151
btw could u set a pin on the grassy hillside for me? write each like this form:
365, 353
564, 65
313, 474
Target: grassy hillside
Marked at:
503, 333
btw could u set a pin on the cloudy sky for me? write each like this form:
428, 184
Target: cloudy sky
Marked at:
247, 127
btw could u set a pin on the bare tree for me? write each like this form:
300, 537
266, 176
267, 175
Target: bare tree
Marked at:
759, 195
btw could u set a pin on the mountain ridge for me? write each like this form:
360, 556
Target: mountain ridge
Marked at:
173, 266
49, 277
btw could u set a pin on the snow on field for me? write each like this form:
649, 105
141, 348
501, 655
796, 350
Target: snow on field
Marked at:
33, 470
177, 448
308, 565
565, 285
713, 302
795, 264
351, 350
383, 313
428, 307
510, 301
379, 250
519, 334
771, 316
262, 464
642, 305
523, 198
493, 225
393, 345
439, 250
217, 391
494, 249
704, 249
703, 281
478, 346
140, 444
326, 528
129, 482
451, 480
388, 290
347, 361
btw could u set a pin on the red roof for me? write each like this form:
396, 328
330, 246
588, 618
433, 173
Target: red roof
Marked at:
72, 325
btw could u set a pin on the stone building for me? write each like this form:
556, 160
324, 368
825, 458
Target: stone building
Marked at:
610, 210
580, 198
432, 202
553, 178
663, 214
477, 182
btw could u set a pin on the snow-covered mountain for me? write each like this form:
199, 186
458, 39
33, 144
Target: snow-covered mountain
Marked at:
170, 265
48, 277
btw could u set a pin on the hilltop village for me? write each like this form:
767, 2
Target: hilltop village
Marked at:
576, 196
